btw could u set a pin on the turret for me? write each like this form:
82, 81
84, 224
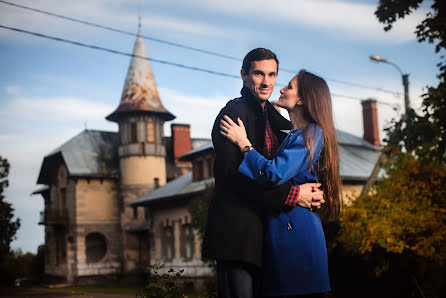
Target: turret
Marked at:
142, 153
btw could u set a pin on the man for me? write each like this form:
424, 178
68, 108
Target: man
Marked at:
234, 230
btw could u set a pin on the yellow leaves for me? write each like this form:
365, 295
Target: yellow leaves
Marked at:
405, 214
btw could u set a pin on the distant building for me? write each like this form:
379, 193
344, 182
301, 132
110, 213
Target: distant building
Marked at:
117, 202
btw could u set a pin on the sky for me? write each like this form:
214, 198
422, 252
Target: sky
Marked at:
51, 91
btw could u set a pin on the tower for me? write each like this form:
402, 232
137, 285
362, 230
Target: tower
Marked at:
142, 154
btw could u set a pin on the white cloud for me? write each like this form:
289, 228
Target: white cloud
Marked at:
344, 20
117, 14
13, 90
56, 109
191, 27
198, 111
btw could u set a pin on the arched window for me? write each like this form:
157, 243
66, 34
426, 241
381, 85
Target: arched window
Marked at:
167, 243
96, 247
187, 242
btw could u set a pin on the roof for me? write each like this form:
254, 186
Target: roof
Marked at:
91, 153
345, 138
356, 163
357, 157
40, 190
204, 147
180, 187
198, 142
94, 153
140, 94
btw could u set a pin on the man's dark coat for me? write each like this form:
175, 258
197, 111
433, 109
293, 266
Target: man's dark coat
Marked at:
234, 230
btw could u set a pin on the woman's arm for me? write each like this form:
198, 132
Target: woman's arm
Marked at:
235, 133
286, 164
289, 162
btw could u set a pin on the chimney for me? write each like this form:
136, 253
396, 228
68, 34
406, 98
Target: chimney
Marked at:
181, 142
370, 119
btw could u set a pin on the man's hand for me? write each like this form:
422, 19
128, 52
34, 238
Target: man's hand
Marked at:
310, 196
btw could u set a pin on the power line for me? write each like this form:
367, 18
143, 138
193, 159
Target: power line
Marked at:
121, 31
154, 60
119, 52
393, 106
398, 94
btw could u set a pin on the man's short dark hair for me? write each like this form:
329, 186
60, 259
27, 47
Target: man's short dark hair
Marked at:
258, 55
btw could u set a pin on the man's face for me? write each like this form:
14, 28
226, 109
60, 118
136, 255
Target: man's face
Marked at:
261, 78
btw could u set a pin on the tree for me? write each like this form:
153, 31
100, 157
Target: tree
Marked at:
398, 225
198, 209
8, 227
410, 224
421, 135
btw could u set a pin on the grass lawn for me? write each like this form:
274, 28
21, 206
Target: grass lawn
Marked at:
128, 289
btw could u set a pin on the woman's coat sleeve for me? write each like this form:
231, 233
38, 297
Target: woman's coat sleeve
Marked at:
289, 162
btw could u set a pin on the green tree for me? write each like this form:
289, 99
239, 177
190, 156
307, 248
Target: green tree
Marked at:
422, 135
8, 227
198, 209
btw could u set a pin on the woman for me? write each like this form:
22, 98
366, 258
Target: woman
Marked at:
295, 261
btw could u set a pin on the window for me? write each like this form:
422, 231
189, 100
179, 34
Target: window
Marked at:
209, 165
147, 216
122, 127
167, 243
96, 247
133, 132
60, 253
187, 242
135, 212
63, 199
197, 170
156, 182
150, 131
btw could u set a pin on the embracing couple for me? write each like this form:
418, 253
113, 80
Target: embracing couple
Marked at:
271, 174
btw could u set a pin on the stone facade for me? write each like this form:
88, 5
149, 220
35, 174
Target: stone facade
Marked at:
76, 211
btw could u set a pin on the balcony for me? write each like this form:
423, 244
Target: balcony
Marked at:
54, 217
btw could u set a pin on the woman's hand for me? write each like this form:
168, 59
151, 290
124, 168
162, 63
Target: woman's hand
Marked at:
235, 133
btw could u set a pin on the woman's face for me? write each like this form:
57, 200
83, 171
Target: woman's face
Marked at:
288, 96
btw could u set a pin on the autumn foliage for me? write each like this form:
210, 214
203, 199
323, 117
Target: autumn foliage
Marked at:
405, 214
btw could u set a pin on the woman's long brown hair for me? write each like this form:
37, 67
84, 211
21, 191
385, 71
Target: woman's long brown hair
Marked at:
316, 99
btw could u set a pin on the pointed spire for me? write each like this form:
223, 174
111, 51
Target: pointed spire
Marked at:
140, 93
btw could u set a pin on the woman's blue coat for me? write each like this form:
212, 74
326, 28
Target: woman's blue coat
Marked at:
295, 254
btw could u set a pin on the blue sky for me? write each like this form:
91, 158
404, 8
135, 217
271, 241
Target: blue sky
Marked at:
50, 91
